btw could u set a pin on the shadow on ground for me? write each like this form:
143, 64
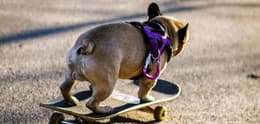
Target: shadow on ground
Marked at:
170, 8
37, 33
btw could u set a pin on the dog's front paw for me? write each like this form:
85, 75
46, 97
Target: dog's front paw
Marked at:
147, 98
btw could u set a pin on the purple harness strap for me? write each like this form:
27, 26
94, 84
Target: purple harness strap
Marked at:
155, 50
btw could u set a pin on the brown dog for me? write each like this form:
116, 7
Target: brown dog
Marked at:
112, 51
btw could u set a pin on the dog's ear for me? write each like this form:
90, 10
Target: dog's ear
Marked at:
183, 34
153, 11
85, 49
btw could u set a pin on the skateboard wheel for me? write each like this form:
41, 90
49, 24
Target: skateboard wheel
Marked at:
56, 118
160, 113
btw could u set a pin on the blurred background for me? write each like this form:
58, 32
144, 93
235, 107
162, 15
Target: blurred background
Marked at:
219, 69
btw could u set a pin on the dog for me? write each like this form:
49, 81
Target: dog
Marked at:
111, 51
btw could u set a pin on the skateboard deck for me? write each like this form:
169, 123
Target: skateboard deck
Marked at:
163, 91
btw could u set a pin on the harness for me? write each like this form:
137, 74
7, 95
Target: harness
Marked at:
158, 39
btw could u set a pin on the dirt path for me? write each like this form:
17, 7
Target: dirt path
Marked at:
219, 69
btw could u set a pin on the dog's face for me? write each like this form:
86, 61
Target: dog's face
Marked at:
178, 31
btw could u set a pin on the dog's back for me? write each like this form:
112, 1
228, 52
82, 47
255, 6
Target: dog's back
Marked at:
119, 44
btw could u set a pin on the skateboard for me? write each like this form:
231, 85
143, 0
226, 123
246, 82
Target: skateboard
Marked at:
164, 91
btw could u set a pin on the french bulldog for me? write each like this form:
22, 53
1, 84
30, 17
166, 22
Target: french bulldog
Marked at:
111, 51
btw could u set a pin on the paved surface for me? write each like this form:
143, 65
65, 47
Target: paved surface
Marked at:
219, 69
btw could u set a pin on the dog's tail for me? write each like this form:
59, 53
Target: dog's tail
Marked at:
86, 48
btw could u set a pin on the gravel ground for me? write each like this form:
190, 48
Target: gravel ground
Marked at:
219, 70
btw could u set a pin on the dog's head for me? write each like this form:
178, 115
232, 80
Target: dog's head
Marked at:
178, 31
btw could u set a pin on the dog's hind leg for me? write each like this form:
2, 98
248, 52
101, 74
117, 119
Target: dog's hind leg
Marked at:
66, 87
145, 87
101, 91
